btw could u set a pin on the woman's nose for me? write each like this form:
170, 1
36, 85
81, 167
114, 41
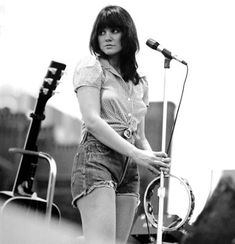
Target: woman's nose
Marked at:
108, 36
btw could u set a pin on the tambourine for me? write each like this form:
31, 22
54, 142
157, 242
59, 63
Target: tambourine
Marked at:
180, 202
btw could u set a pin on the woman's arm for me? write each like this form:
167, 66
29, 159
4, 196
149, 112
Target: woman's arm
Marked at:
141, 141
89, 102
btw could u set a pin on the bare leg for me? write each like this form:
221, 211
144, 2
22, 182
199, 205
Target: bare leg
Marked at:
99, 216
125, 207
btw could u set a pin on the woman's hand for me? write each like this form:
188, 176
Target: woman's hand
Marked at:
154, 161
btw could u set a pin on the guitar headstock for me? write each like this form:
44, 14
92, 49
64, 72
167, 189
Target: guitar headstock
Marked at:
54, 73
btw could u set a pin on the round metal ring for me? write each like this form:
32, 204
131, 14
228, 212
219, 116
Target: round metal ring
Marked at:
148, 208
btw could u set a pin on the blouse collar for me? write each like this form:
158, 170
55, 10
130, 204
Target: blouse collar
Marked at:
106, 65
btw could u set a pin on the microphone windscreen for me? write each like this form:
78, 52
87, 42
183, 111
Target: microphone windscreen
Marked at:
152, 43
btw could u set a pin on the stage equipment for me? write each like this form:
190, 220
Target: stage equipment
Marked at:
159, 181
216, 222
32, 204
22, 193
156, 46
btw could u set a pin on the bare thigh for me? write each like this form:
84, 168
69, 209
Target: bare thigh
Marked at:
126, 207
98, 214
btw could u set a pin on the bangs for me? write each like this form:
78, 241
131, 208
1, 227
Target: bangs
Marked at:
111, 20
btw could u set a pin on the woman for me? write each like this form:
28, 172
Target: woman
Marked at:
113, 100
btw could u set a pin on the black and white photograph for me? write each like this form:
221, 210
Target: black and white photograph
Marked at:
117, 122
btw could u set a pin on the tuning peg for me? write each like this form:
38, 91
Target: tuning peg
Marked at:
63, 72
58, 82
55, 92
45, 91
52, 70
48, 80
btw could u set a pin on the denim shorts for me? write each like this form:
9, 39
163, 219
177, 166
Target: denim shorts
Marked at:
96, 165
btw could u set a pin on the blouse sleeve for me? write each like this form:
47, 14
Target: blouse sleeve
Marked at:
88, 72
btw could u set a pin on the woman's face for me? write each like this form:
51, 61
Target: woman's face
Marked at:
109, 40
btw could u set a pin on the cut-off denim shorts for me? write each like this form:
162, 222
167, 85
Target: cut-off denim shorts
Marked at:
96, 165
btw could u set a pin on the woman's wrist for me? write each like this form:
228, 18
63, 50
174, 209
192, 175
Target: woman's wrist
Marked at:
132, 151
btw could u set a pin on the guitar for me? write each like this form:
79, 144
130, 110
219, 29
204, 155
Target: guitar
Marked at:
22, 193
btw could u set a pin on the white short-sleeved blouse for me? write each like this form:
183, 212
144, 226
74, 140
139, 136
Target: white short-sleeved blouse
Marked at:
123, 104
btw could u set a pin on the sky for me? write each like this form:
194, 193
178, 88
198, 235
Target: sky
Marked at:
33, 32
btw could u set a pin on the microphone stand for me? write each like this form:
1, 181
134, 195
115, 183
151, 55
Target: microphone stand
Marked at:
161, 189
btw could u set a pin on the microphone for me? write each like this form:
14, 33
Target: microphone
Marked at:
156, 46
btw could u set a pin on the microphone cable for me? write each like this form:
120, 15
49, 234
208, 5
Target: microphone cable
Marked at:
177, 112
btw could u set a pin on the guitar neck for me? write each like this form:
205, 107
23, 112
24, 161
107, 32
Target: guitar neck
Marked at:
27, 168
28, 164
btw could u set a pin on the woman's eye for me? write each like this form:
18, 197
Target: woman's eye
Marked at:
101, 32
110, 30
115, 30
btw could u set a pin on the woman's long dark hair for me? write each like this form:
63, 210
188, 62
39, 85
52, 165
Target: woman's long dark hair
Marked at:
115, 16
